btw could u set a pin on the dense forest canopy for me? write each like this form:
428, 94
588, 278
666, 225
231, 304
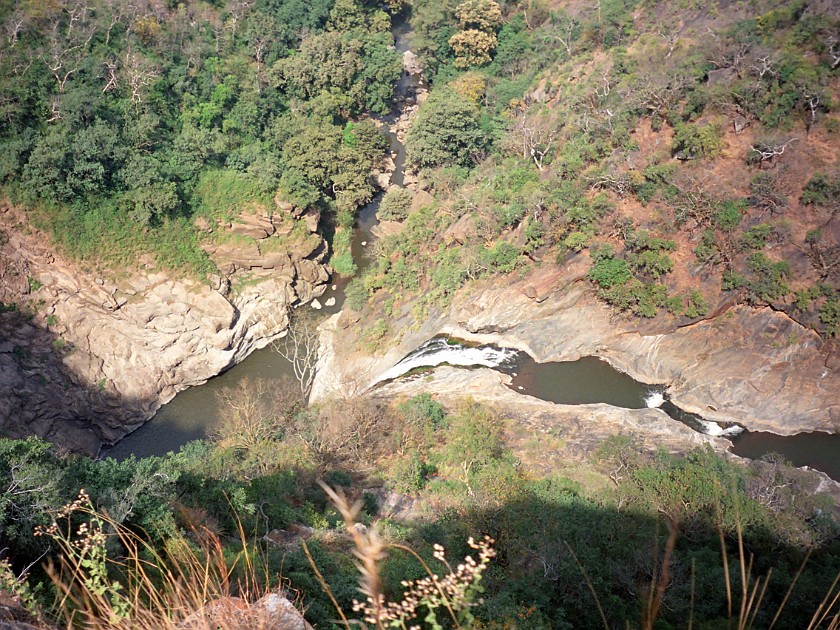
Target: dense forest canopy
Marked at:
114, 113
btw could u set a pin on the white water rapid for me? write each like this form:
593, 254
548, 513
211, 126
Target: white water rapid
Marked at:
714, 429
438, 351
654, 399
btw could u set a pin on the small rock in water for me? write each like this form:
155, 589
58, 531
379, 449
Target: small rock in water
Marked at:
316, 305
330, 302
364, 243
515, 374
520, 387
333, 287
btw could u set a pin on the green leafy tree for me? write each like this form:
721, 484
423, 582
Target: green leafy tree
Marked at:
485, 15
473, 47
447, 132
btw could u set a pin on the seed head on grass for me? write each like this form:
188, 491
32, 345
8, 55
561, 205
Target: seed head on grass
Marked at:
456, 592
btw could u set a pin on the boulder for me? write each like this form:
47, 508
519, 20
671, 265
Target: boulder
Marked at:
271, 612
411, 63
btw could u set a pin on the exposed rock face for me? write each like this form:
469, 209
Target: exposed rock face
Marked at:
756, 367
272, 612
582, 428
94, 358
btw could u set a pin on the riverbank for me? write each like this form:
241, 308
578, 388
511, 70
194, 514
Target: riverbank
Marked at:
87, 357
754, 367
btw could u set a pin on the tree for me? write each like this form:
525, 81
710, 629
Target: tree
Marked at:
447, 132
300, 347
254, 413
535, 132
29, 488
472, 47
485, 15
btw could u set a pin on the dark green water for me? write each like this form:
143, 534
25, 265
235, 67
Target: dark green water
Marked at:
585, 381
817, 450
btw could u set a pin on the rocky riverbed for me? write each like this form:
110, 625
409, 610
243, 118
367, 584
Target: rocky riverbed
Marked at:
86, 358
755, 367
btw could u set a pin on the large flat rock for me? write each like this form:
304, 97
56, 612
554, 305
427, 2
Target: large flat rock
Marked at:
753, 366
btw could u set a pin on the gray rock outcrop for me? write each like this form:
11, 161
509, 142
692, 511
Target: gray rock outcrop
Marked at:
755, 367
85, 359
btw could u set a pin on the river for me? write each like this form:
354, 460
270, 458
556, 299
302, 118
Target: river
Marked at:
193, 413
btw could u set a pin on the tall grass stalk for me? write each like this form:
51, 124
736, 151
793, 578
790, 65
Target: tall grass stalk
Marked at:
192, 584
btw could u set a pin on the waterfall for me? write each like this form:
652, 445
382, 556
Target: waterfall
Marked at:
654, 399
439, 350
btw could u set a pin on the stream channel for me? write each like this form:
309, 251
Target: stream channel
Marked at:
193, 413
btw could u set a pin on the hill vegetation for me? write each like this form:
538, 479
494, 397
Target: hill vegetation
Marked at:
257, 482
689, 151
686, 150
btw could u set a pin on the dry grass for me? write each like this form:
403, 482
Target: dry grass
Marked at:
193, 584
452, 595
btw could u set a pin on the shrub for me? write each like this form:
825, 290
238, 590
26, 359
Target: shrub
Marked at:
424, 411
576, 241
356, 294
504, 257
342, 258
768, 282
395, 204
755, 237
820, 190
698, 140
697, 305
730, 214
609, 272
830, 317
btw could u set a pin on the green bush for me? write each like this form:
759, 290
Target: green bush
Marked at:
697, 305
424, 411
395, 204
755, 238
355, 294
695, 141
730, 214
821, 190
576, 241
830, 317
503, 257
766, 281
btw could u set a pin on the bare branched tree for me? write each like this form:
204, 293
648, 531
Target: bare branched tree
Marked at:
813, 99
536, 131
562, 30
834, 51
354, 430
14, 26
139, 73
763, 67
618, 182
111, 75
766, 152
695, 204
300, 347
728, 54
658, 94
70, 34
255, 412
671, 39
824, 255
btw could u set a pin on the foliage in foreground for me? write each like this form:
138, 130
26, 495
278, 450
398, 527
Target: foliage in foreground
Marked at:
550, 529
